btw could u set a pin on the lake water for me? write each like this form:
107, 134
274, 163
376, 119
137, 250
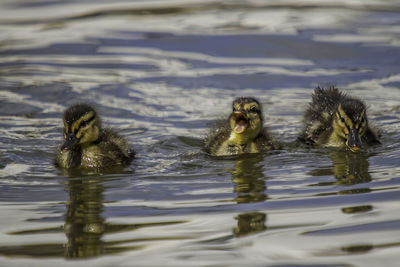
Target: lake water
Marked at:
160, 72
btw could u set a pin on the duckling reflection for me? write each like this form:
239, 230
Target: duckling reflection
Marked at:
357, 209
250, 223
84, 225
249, 179
250, 187
347, 167
84, 228
350, 168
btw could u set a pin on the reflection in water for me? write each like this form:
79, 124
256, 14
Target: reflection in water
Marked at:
357, 209
249, 179
250, 187
348, 168
361, 248
84, 225
250, 223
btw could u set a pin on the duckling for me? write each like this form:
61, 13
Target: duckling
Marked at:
243, 132
334, 119
87, 145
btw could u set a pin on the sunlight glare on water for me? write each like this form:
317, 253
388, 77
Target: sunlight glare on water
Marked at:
161, 72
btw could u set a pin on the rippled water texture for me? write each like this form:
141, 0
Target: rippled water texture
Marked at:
160, 72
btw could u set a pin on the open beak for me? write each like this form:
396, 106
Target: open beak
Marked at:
70, 142
241, 122
353, 140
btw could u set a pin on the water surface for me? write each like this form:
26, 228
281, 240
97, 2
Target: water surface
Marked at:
160, 72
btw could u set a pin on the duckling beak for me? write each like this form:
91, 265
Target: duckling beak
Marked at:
241, 122
354, 140
70, 142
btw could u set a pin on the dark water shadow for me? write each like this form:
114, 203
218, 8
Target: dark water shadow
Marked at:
160, 10
356, 248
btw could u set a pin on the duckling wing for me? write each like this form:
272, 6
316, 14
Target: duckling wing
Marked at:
371, 137
319, 115
115, 148
265, 141
219, 132
315, 132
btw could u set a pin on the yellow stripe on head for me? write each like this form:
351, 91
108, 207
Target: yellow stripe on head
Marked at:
237, 106
252, 107
83, 129
344, 119
82, 121
362, 123
246, 103
66, 129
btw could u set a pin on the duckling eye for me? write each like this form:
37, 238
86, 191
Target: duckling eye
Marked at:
83, 124
86, 122
342, 119
253, 109
362, 120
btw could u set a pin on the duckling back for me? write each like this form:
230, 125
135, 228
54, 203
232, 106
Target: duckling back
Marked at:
109, 151
218, 134
319, 115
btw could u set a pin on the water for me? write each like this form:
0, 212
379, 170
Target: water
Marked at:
160, 72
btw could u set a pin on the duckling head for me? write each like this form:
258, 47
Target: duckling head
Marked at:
81, 126
246, 119
350, 123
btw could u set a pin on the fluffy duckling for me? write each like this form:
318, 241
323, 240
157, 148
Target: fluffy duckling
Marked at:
87, 145
243, 132
334, 119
